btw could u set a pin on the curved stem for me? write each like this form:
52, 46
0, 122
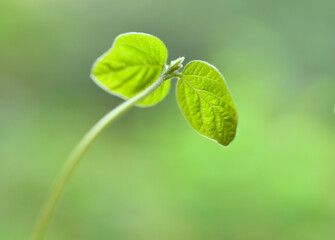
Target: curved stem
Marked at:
78, 152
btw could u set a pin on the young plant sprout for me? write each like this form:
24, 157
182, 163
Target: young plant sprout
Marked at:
135, 69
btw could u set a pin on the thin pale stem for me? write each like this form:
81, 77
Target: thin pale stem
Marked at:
78, 152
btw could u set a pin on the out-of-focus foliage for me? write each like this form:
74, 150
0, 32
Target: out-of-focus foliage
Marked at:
154, 178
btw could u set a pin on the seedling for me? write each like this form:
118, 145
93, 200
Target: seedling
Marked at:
135, 69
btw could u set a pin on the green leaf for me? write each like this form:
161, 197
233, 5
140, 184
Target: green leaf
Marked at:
134, 62
206, 103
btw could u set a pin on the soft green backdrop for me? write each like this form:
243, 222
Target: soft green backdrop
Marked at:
150, 176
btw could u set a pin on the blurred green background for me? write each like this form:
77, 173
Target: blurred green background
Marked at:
150, 176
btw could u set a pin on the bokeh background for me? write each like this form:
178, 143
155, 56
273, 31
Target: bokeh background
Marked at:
150, 176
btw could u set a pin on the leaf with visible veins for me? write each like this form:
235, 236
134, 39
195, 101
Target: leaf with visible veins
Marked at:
206, 103
134, 62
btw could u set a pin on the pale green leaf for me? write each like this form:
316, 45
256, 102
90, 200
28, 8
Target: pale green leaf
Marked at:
134, 62
206, 103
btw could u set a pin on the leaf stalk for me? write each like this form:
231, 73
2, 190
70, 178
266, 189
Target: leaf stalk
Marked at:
73, 160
